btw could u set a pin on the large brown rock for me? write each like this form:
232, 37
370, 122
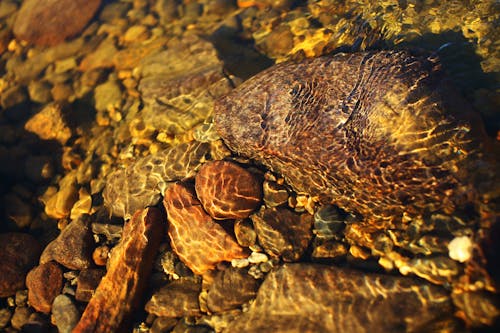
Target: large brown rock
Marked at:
49, 22
130, 265
44, 283
18, 254
318, 298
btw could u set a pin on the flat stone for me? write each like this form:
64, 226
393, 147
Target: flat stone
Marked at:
44, 283
227, 191
179, 298
141, 184
282, 232
73, 247
195, 237
333, 299
19, 252
50, 123
87, 282
130, 265
50, 22
65, 315
230, 289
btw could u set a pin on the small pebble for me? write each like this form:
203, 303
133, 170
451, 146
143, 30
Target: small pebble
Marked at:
257, 258
240, 263
65, 314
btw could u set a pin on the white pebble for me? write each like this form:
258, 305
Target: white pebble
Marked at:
257, 258
240, 263
460, 248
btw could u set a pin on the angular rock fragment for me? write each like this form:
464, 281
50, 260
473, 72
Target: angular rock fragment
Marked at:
49, 22
227, 191
44, 283
282, 232
50, 123
198, 240
179, 298
19, 252
60, 203
130, 265
141, 184
73, 247
87, 283
230, 289
317, 298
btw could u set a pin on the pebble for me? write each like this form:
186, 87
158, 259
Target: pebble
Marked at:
230, 289
163, 324
245, 233
44, 283
328, 222
59, 204
19, 252
21, 298
227, 191
65, 314
283, 233
20, 317
73, 247
52, 21
274, 194
39, 91
100, 255
108, 96
323, 297
50, 123
195, 237
13, 96
5, 315
257, 258
87, 283
112, 232
129, 269
7, 7
179, 298
136, 33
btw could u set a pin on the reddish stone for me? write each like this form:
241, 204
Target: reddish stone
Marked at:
18, 254
227, 191
44, 283
130, 265
49, 22
195, 237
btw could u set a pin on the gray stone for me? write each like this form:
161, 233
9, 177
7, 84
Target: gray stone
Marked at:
65, 313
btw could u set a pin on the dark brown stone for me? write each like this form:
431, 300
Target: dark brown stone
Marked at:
282, 232
230, 289
177, 299
318, 298
73, 247
130, 265
44, 283
227, 191
88, 280
49, 22
18, 254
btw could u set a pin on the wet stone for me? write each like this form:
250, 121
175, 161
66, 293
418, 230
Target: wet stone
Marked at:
227, 191
274, 194
44, 283
13, 96
112, 232
141, 184
244, 232
195, 237
108, 96
478, 308
179, 298
163, 324
328, 222
328, 250
130, 266
50, 22
73, 247
19, 252
39, 91
5, 315
87, 283
65, 315
324, 297
50, 123
282, 232
230, 289
20, 317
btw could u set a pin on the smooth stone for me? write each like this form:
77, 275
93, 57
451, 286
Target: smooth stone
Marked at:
44, 283
59, 204
20, 317
65, 313
73, 247
39, 91
19, 252
50, 22
179, 298
107, 96
102, 57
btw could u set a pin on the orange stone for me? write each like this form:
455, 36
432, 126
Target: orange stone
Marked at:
228, 191
195, 237
130, 265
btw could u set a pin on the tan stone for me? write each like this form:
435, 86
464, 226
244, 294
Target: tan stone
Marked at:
49, 124
59, 205
130, 265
